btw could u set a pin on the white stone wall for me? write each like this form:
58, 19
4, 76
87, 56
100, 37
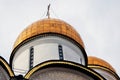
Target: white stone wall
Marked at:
107, 75
3, 74
45, 49
59, 74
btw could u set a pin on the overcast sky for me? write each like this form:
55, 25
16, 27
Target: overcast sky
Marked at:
97, 21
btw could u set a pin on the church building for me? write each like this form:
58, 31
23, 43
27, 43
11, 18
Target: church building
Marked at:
51, 49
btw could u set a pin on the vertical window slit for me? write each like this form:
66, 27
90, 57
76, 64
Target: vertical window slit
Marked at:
31, 57
60, 52
81, 60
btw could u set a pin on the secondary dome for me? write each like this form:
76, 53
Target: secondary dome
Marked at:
97, 61
49, 26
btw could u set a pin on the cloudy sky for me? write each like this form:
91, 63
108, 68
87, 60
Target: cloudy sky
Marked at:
97, 21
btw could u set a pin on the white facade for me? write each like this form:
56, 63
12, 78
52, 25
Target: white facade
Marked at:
59, 74
3, 74
45, 48
107, 75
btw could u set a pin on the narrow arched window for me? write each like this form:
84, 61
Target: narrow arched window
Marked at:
31, 57
61, 57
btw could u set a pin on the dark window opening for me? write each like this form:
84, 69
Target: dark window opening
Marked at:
31, 57
60, 52
81, 60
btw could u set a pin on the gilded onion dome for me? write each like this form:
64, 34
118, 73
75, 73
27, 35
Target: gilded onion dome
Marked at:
49, 26
97, 61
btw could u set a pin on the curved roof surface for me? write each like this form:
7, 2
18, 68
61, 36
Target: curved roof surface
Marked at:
97, 61
46, 26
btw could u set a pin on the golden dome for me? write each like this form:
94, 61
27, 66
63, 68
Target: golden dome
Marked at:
97, 61
49, 26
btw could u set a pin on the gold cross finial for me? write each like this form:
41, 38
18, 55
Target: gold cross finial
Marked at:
48, 11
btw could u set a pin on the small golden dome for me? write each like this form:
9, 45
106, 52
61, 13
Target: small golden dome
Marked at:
49, 26
97, 61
